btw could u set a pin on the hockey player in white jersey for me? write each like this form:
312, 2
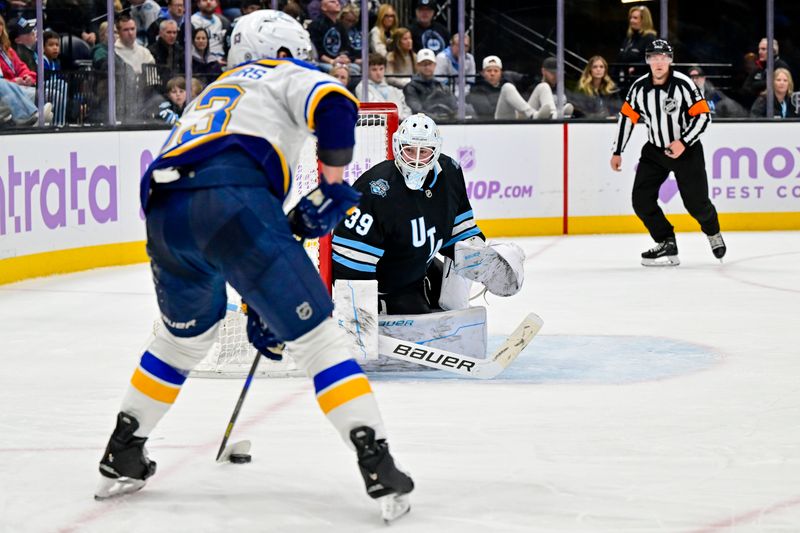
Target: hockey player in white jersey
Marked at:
213, 200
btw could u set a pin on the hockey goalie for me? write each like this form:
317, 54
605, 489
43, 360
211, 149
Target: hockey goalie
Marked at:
386, 254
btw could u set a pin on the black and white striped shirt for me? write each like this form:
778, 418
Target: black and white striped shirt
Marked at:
675, 110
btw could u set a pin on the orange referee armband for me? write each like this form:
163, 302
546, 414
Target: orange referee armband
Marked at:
698, 108
628, 111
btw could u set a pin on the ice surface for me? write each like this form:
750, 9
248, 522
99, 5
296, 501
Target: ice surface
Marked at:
654, 400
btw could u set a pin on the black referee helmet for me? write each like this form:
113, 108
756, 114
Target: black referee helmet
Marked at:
659, 46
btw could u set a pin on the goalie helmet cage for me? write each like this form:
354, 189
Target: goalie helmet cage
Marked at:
232, 355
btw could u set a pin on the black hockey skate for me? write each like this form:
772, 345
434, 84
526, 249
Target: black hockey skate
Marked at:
384, 481
124, 466
663, 254
718, 247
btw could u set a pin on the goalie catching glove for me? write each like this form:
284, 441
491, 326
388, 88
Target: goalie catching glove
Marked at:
318, 212
498, 266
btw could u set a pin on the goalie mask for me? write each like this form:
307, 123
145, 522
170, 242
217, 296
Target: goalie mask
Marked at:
264, 33
416, 144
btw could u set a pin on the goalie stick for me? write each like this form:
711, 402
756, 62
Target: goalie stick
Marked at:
461, 364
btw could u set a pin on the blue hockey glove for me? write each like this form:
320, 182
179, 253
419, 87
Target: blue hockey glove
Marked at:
167, 114
261, 337
318, 212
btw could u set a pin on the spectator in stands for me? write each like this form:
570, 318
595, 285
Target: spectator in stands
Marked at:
425, 31
341, 73
542, 100
18, 105
55, 88
783, 87
447, 64
100, 50
381, 33
349, 18
174, 11
401, 61
295, 10
171, 110
641, 32
248, 6
718, 102
597, 95
19, 8
380, 91
167, 50
144, 13
425, 94
74, 17
231, 9
329, 37
23, 36
203, 64
216, 27
314, 8
12, 67
756, 82
493, 97
51, 46
127, 47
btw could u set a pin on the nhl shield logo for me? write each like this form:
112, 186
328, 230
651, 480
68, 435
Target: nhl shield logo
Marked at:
379, 187
466, 157
304, 311
670, 106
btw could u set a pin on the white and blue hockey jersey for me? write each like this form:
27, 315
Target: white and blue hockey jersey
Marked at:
268, 109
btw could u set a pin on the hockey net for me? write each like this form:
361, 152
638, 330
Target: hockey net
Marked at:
232, 355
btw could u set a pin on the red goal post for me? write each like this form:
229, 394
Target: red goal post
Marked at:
377, 121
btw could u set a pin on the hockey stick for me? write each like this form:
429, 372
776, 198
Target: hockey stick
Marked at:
224, 452
462, 364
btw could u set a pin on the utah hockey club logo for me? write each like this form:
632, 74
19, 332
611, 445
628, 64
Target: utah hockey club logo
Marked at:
419, 237
379, 187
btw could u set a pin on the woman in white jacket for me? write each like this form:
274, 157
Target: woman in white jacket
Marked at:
381, 33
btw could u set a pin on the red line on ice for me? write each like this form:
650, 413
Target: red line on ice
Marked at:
104, 508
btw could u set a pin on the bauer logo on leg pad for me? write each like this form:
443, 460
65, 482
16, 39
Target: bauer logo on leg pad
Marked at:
412, 352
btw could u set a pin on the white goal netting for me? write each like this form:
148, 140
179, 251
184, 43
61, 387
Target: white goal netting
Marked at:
232, 355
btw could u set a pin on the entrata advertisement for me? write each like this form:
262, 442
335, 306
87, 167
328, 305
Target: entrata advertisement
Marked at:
63, 191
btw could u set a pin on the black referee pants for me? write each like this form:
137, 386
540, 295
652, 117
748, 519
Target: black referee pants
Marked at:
690, 172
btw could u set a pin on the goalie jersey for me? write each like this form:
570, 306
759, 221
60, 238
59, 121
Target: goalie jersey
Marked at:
265, 109
395, 233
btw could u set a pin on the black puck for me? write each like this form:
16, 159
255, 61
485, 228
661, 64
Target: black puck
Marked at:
240, 458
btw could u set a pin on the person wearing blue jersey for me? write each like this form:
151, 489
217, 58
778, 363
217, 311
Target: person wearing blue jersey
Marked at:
213, 200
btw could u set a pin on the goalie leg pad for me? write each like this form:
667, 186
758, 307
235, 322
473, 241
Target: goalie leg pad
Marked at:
356, 311
455, 289
343, 391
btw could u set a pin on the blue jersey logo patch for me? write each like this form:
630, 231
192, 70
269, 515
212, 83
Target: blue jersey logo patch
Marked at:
379, 187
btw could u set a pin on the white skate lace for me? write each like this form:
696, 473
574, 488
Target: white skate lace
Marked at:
716, 241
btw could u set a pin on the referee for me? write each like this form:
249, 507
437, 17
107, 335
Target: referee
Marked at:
676, 114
